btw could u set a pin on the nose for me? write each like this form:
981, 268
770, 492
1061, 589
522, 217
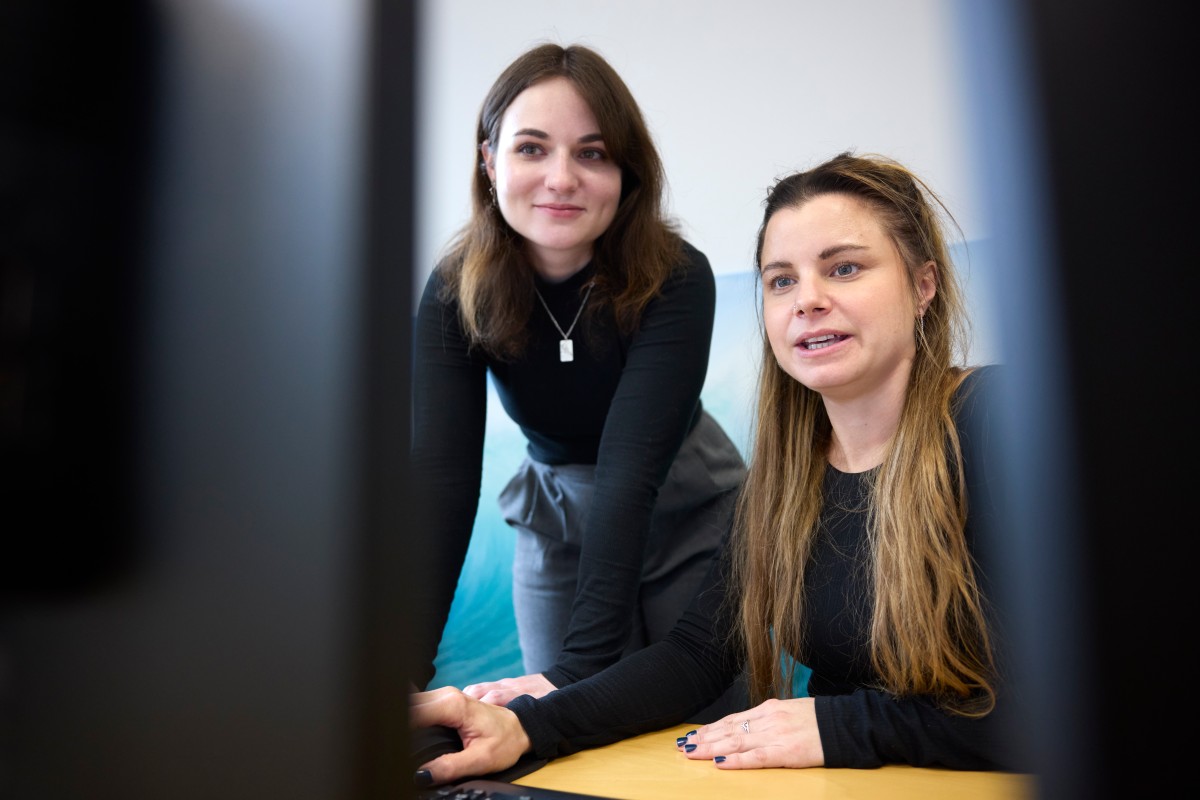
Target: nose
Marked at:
561, 176
809, 298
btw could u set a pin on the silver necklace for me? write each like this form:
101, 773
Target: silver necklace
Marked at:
566, 348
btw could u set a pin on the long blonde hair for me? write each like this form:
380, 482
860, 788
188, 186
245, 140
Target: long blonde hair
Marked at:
928, 627
485, 268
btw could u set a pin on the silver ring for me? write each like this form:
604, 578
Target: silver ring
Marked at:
746, 727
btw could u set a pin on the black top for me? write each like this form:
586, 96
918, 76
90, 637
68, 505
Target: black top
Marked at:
860, 726
625, 404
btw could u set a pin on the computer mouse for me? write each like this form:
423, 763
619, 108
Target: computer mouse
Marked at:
426, 744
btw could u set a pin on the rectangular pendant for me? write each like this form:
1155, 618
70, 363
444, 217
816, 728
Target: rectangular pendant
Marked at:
566, 350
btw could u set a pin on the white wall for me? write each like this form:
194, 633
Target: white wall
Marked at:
736, 94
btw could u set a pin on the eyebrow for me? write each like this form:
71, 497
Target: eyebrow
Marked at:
591, 137
837, 249
824, 255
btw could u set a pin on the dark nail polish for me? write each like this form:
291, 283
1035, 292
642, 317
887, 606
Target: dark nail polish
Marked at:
423, 778
690, 733
681, 741
719, 759
689, 747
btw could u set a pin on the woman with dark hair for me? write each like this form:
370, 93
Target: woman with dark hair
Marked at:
861, 539
571, 288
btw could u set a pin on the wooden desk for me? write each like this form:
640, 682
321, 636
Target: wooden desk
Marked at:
647, 767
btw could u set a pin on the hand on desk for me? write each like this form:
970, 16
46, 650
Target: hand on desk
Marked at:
498, 693
778, 733
492, 737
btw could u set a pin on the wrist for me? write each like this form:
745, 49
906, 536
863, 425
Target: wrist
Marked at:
515, 732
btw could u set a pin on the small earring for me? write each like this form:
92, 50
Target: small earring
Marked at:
921, 325
795, 307
492, 193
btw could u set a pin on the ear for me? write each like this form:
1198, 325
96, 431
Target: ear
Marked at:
927, 276
488, 160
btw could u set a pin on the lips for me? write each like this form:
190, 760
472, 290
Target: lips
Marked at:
560, 208
822, 341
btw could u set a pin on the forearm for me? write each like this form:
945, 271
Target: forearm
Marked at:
661, 685
868, 729
654, 688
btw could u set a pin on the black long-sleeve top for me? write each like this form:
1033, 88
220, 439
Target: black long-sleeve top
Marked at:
859, 726
625, 404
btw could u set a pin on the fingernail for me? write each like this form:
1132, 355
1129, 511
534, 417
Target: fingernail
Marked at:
423, 778
689, 747
719, 759
681, 741
690, 733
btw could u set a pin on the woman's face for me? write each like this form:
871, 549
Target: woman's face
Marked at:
838, 304
555, 183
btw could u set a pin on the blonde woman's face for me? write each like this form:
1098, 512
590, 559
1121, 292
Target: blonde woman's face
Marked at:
838, 305
554, 180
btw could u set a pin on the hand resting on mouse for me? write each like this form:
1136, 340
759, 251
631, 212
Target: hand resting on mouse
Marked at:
482, 738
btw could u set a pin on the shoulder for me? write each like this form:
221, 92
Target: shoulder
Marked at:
688, 296
977, 414
978, 404
436, 292
985, 376
693, 258
436, 309
978, 391
694, 273
978, 417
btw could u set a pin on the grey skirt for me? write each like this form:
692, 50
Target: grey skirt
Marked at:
547, 506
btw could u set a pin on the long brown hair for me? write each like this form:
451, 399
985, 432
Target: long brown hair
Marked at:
485, 267
928, 627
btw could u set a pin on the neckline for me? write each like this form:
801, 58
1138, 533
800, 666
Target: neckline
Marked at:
837, 471
576, 281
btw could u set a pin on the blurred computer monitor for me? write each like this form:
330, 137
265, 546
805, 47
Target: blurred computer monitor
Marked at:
205, 318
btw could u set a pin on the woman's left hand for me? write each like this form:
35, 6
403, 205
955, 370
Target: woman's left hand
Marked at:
498, 693
778, 733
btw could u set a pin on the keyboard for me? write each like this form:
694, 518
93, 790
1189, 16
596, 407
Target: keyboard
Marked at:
500, 790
